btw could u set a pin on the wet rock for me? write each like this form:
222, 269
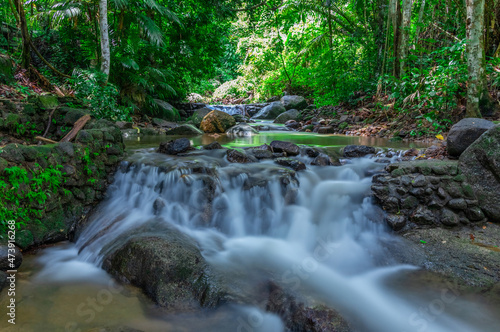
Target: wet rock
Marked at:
261, 154
464, 133
449, 218
292, 124
185, 129
291, 163
423, 216
242, 130
217, 122
169, 268
163, 123
396, 222
474, 213
298, 316
294, 102
458, 204
357, 151
322, 160
175, 147
326, 130
271, 111
158, 205
289, 148
199, 114
311, 152
235, 156
16, 260
213, 146
287, 116
264, 147
480, 164
124, 124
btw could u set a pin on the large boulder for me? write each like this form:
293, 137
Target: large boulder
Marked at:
168, 267
480, 164
217, 122
199, 114
287, 116
242, 130
271, 111
294, 102
185, 129
464, 133
166, 111
175, 147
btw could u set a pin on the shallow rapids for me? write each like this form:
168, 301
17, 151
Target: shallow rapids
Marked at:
315, 233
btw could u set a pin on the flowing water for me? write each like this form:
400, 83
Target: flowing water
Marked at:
315, 233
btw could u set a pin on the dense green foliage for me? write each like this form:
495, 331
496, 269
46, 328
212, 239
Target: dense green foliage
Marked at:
23, 193
330, 50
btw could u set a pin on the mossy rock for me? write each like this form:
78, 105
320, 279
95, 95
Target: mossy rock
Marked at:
163, 110
72, 115
24, 239
217, 122
47, 101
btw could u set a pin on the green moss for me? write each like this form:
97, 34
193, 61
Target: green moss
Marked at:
48, 101
24, 239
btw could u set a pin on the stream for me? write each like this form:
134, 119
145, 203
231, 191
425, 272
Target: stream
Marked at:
319, 236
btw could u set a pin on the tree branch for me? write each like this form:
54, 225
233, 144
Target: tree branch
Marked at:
46, 62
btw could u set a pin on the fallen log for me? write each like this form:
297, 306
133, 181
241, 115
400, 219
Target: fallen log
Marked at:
79, 124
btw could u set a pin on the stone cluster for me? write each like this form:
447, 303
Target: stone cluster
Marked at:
426, 194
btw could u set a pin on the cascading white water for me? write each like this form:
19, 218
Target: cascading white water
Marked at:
317, 234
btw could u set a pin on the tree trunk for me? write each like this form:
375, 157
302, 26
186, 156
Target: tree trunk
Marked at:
420, 17
26, 55
479, 100
103, 27
405, 35
396, 23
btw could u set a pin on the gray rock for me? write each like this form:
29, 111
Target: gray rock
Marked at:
262, 154
235, 156
419, 181
291, 163
5, 264
423, 216
474, 213
458, 204
289, 148
213, 146
357, 151
449, 218
480, 164
271, 111
185, 129
199, 114
124, 124
287, 116
163, 123
168, 267
175, 147
396, 222
322, 160
326, 130
294, 102
464, 133
242, 130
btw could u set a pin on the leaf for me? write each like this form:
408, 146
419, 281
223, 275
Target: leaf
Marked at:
440, 137
423, 241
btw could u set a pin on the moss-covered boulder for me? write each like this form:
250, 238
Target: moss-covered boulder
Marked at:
168, 267
185, 129
480, 164
48, 101
198, 115
217, 122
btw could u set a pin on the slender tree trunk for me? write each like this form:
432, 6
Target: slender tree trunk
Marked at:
479, 100
420, 17
26, 55
396, 23
405, 36
103, 28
